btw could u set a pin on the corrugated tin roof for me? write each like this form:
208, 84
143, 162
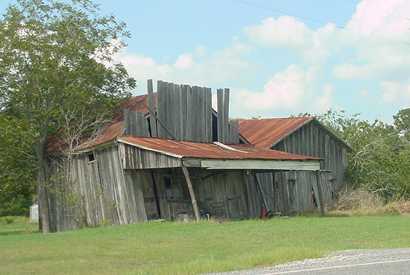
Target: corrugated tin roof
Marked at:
113, 129
266, 132
209, 150
109, 133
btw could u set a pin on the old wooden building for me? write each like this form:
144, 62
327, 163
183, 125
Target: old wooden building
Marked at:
170, 155
300, 135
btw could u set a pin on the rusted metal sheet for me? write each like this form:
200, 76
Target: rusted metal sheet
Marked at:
109, 133
264, 133
209, 150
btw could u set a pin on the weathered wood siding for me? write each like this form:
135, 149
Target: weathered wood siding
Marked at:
314, 140
102, 191
184, 112
135, 158
293, 192
220, 194
290, 192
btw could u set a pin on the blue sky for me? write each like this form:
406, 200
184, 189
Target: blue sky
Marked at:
278, 57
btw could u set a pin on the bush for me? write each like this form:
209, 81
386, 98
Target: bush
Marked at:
358, 199
360, 202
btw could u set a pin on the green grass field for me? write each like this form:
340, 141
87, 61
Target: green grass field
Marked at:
177, 248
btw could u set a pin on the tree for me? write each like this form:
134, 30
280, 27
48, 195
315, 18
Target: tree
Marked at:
55, 57
402, 122
17, 166
380, 158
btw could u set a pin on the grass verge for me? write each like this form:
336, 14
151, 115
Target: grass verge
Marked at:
177, 248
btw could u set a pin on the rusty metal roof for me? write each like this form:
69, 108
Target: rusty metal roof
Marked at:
188, 149
265, 133
113, 129
109, 133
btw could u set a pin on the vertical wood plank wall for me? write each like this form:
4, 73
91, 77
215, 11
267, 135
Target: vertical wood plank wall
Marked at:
313, 140
221, 195
291, 192
104, 192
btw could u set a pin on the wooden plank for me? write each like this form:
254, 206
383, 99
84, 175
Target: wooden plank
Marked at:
319, 194
209, 113
191, 193
160, 108
226, 114
220, 119
261, 191
184, 114
151, 109
190, 112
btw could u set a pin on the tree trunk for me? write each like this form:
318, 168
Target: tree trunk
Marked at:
42, 179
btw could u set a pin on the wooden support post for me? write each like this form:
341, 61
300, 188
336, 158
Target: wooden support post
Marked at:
156, 197
191, 192
274, 201
319, 194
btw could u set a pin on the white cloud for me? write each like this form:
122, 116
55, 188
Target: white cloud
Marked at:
349, 71
289, 32
374, 46
380, 18
285, 90
324, 101
395, 92
364, 93
283, 31
199, 67
378, 33
184, 61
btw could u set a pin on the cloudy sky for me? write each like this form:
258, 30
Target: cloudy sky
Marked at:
277, 57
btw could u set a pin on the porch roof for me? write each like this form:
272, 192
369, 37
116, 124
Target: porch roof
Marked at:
221, 156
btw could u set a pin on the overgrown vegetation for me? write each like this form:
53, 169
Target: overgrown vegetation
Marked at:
380, 157
55, 66
17, 172
178, 248
359, 202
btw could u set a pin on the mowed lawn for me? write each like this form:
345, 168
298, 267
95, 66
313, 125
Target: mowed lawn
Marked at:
178, 248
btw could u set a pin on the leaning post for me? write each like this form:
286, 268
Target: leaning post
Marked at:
191, 192
319, 194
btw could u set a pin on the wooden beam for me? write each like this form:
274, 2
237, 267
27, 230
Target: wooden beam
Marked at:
311, 165
156, 197
319, 194
191, 192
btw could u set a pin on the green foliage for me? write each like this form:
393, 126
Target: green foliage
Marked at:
380, 157
57, 79
56, 56
17, 164
402, 122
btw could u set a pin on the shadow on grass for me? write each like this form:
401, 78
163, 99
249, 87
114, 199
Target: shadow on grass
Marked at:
17, 232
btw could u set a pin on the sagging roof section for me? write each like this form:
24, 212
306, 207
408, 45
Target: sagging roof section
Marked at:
188, 149
220, 156
115, 128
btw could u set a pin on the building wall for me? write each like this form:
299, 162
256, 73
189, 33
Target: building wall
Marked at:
293, 192
219, 194
314, 140
95, 190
